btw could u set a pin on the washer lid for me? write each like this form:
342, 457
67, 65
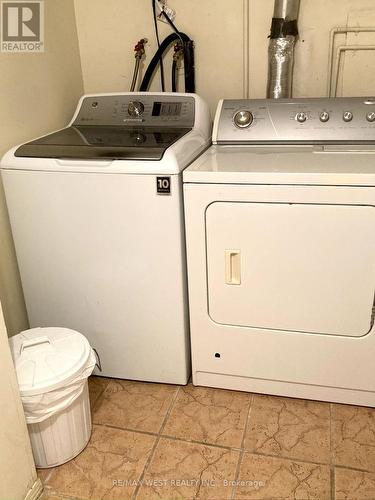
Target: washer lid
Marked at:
48, 358
104, 143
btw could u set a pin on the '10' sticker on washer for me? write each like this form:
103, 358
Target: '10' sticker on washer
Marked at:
163, 185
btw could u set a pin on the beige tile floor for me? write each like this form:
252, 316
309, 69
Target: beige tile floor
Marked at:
153, 441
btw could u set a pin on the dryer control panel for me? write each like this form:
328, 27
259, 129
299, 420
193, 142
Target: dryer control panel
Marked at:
340, 120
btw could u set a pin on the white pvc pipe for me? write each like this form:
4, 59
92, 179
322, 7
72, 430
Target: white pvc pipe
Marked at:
336, 31
340, 51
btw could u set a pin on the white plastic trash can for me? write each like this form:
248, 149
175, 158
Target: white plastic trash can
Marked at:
52, 366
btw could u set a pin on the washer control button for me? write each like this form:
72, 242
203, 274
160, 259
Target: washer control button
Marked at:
301, 117
370, 117
243, 118
347, 116
324, 116
135, 108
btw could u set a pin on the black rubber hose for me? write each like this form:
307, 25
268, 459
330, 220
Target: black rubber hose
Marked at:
174, 76
157, 57
189, 66
188, 48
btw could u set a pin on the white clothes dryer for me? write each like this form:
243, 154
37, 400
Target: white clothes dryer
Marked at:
280, 224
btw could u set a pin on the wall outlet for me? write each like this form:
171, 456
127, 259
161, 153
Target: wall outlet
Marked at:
161, 5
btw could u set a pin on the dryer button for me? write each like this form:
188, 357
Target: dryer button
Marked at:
301, 117
243, 118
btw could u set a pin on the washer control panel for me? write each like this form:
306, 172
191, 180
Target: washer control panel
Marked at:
344, 120
137, 109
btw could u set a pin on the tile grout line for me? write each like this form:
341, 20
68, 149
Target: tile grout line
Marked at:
239, 463
49, 474
330, 435
332, 469
247, 421
282, 457
127, 429
157, 440
99, 397
202, 443
169, 411
333, 483
348, 467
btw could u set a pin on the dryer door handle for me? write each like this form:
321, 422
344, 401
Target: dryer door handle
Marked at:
232, 267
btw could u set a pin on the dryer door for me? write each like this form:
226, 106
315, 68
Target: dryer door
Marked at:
296, 267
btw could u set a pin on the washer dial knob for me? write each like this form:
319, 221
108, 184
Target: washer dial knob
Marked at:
347, 116
301, 117
324, 116
243, 118
135, 108
370, 117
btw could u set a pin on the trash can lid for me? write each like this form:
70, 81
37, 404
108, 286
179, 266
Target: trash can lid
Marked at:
48, 358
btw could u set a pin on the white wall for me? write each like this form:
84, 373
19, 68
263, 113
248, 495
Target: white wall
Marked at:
38, 94
223, 31
17, 470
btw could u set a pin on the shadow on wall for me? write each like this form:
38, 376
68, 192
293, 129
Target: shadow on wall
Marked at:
10, 283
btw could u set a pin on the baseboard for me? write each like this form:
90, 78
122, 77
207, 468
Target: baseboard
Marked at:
36, 490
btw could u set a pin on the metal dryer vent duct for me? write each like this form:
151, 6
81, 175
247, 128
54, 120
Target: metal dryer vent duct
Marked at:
283, 36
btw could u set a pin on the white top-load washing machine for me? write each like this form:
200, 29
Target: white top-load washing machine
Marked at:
280, 224
97, 218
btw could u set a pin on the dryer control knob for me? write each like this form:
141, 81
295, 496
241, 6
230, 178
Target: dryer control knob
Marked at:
347, 116
243, 118
301, 117
135, 108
